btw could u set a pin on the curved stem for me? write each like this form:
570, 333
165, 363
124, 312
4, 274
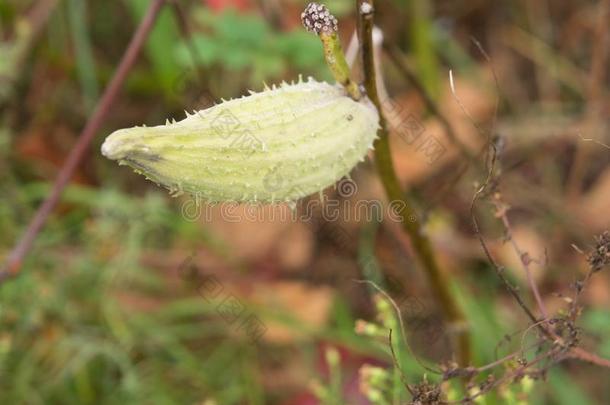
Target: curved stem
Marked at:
335, 59
383, 159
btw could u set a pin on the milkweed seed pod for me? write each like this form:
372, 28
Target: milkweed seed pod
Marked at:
278, 145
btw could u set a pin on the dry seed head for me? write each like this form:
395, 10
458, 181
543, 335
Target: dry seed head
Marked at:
316, 18
600, 256
366, 8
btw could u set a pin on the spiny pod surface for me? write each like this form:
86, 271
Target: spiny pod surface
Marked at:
278, 145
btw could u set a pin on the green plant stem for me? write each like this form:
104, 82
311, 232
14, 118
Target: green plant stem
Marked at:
335, 59
439, 281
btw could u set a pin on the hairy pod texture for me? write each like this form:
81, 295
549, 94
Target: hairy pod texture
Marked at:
278, 145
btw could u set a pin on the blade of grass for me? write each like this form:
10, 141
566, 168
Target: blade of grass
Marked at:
85, 65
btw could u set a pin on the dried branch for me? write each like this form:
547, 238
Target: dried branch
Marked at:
561, 348
13, 264
502, 213
583, 355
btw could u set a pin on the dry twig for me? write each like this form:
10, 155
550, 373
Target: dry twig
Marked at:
13, 264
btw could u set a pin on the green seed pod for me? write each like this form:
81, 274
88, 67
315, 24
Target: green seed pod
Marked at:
278, 145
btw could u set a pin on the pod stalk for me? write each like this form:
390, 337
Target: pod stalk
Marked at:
317, 18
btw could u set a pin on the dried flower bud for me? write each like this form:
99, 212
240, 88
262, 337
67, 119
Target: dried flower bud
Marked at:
600, 256
278, 145
316, 18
